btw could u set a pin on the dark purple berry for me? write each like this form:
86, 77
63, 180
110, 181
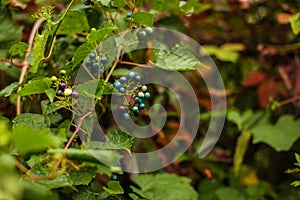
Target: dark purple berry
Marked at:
62, 85
75, 95
123, 79
137, 113
138, 78
59, 92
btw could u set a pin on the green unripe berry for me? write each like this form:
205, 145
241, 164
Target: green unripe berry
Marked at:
63, 72
53, 79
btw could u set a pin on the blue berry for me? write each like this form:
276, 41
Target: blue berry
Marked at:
142, 106
114, 177
122, 90
103, 60
131, 75
117, 84
88, 63
141, 95
102, 71
147, 95
138, 100
92, 56
123, 79
126, 116
135, 109
96, 65
129, 15
62, 85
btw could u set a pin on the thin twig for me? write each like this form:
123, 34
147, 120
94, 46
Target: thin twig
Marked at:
137, 64
11, 62
290, 100
70, 141
26, 171
25, 63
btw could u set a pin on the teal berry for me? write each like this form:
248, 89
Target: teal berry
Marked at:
102, 71
92, 56
142, 106
122, 90
114, 177
135, 109
147, 95
129, 15
126, 116
117, 84
131, 75
88, 63
95, 65
103, 60
141, 95
138, 100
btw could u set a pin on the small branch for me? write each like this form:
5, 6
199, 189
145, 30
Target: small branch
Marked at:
11, 62
137, 64
290, 100
69, 142
25, 63
21, 167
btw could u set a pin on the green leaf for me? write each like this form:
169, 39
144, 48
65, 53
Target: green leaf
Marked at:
240, 150
235, 117
81, 53
164, 187
27, 139
20, 47
5, 132
38, 49
114, 188
10, 33
36, 86
227, 52
106, 3
280, 136
48, 108
83, 177
297, 156
228, 193
85, 195
100, 34
295, 23
59, 181
75, 21
35, 121
295, 183
8, 90
178, 58
143, 18
115, 140
50, 94
194, 7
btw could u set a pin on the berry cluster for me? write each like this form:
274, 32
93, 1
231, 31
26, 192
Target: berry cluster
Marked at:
130, 85
96, 63
62, 88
